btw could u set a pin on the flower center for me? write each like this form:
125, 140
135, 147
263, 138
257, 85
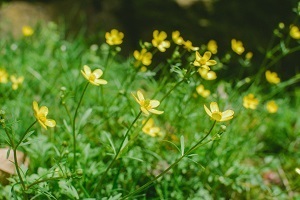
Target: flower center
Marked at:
92, 77
146, 104
42, 118
216, 116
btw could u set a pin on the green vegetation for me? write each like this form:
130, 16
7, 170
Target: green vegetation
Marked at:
107, 142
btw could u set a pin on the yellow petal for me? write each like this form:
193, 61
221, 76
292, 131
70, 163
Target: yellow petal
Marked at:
207, 110
154, 103
98, 73
50, 123
44, 110
140, 95
158, 112
227, 115
35, 106
207, 55
87, 70
42, 124
100, 81
144, 110
214, 107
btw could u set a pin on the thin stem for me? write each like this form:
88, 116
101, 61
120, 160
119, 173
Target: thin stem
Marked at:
25, 133
43, 180
73, 125
171, 166
14, 147
116, 155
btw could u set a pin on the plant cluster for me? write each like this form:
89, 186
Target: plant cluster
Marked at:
141, 128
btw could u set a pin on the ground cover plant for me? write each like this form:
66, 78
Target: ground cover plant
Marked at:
96, 125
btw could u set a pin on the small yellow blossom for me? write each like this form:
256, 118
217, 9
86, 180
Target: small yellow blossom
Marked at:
272, 77
27, 31
237, 46
147, 105
212, 46
215, 113
295, 32
207, 74
114, 37
202, 91
41, 115
159, 41
16, 81
3, 76
177, 38
189, 46
204, 61
143, 57
93, 77
150, 129
272, 107
249, 55
250, 101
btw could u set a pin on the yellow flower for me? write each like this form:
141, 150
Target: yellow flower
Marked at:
3, 76
147, 105
272, 107
207, 74
215, 113
237, 46
142, 57
295, 32
93, 77
177, 38
159, 41
189, 46
150, 129
16, 81
272, 77
27, 31
249, 55
114, 37
212, 46
250, 101
203, 61
41, 115
202, 91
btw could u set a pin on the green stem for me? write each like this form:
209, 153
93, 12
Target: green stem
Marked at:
14, 147
116, 155
143, 187
44, 180
73, 125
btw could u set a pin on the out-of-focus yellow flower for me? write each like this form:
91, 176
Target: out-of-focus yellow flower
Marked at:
237, 46
150, 129
93, 77
297, 170
16, 81
177, 38
27, 31
249, 55
142, 58
207, 74
272, 77
294, 32
159, 41
114, 37
204, 61
147, 105
216, 114
250, 101
212, 46
189, 46
272, 107
202, 91
3, 76
41, 115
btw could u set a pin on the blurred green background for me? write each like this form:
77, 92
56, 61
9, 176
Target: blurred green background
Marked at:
252, 21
